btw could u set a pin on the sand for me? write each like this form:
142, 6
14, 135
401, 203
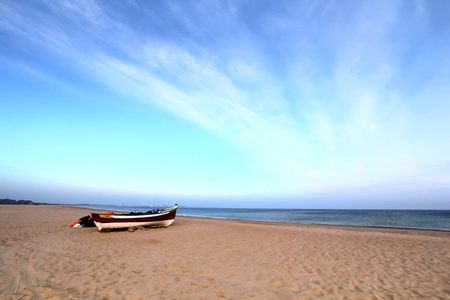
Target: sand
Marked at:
197, 258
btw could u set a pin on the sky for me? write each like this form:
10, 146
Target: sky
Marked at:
294, 104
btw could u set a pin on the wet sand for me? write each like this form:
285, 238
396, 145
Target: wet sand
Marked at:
199, 258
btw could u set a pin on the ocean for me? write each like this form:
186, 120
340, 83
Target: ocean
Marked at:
404, 219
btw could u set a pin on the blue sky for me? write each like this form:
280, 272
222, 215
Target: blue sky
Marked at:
303, 104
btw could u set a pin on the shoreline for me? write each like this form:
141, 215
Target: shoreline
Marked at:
109, 208
204, 258
346, 227
356, 227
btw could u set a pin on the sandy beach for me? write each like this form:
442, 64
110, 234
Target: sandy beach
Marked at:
41, 258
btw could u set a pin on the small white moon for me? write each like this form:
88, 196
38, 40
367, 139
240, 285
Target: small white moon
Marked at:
281, 116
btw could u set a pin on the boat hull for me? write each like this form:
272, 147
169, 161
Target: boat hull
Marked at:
120, 221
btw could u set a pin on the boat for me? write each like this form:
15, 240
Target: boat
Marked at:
153, 218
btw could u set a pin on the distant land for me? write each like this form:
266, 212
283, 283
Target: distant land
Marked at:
20, 202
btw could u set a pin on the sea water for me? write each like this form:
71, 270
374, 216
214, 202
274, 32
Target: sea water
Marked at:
406, 219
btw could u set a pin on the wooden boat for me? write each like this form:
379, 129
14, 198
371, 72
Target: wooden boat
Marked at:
154, 218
